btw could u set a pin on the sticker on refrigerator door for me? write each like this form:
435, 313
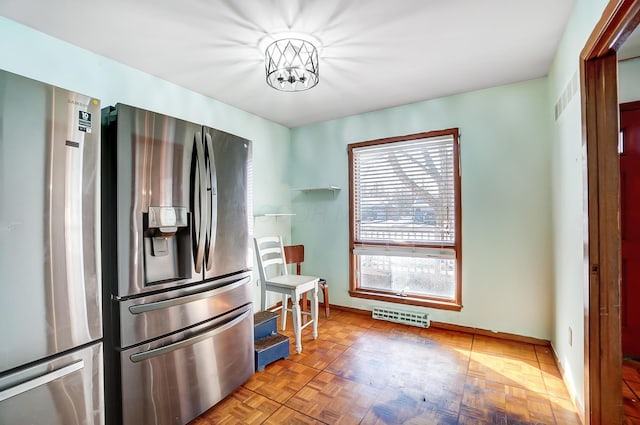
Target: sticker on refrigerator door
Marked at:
84, 121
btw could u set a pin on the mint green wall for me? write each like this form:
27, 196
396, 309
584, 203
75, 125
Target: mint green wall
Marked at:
629, 81
567, 177
505, 201
522, 183
41, 57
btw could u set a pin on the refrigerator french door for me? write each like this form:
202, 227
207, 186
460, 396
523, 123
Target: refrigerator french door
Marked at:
181, 196
51, 364
177, 265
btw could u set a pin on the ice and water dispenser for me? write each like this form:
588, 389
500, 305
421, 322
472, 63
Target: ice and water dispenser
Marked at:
167, 245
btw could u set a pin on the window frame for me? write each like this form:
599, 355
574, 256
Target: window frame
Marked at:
388, 296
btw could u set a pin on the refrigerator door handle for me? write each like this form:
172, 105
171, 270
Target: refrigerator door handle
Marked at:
198, 200
212, 201
145, 355
159, 305
41, 380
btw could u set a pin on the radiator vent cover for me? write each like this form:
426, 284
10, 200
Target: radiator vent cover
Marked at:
398, 316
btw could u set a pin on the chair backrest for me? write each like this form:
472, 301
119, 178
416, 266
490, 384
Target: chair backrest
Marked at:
294, 254
270, 254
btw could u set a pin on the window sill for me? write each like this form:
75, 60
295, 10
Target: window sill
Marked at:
408, 300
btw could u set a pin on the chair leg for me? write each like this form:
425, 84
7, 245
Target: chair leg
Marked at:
314, 311
303, 306
325, 294
283, 316
263, 300
297, 322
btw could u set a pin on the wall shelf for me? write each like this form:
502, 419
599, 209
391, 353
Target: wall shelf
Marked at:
315, 189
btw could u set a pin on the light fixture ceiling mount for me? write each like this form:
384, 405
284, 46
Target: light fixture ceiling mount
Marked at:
291, 61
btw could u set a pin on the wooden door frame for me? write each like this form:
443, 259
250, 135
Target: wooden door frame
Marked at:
600, 122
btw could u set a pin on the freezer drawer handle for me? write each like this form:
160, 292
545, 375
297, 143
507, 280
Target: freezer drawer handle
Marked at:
158, 305
41, 380
145, 355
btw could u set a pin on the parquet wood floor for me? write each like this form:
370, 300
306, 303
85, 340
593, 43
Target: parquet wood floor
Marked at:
631, 391
369, 372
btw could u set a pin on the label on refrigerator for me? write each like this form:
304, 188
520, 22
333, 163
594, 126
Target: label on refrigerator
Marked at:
84, 121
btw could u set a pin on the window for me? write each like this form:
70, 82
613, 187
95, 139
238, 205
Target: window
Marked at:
405, 220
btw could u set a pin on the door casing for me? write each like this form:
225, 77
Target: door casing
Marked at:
599, 87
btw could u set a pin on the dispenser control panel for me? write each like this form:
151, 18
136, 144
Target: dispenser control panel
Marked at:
167, 217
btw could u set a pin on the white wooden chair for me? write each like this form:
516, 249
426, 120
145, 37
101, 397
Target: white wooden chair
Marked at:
270, 255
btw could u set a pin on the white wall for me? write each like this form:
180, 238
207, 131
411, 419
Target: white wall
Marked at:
570, 267
41, 57
506, 221
629, 81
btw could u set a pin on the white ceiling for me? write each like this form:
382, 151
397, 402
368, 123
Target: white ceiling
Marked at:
375, 53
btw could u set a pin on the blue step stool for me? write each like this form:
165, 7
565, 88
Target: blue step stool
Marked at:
269, 345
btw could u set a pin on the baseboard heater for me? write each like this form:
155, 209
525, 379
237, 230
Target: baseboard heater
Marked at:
398, 316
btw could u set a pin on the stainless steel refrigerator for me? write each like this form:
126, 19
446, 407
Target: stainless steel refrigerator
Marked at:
51, 365
176, 263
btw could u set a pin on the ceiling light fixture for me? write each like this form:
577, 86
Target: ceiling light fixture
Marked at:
291, 62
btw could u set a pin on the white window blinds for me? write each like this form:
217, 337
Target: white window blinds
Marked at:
404, 192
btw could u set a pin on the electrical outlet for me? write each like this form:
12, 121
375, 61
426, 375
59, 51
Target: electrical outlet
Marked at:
570, 336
